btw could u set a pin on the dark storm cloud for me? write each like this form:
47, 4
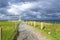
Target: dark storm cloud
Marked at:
3, 3
30, 9
48, 9
16, 1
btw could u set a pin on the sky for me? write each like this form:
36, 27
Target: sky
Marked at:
30, 9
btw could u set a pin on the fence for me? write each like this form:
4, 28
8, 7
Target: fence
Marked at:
0, 33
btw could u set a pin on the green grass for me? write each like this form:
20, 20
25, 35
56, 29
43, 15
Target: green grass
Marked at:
54, 28
9, 30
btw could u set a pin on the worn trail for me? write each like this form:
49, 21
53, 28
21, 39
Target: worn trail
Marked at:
28, 33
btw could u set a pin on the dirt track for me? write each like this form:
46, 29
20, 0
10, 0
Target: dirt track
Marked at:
28, 33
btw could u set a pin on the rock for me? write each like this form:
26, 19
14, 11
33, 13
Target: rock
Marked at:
49, 33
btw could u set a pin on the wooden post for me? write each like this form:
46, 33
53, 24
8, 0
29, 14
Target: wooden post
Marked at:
0, 33
34, 24
42, 25
26, 22
31, 22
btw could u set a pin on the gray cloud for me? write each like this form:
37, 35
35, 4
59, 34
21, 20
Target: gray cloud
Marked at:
3, 3
39, 9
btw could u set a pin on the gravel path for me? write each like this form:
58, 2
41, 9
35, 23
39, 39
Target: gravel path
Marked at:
28, 33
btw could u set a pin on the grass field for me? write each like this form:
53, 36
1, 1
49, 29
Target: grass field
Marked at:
51, 29
9, 30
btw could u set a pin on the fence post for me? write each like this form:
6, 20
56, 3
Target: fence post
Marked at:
0, 33
34, 24
42, 25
